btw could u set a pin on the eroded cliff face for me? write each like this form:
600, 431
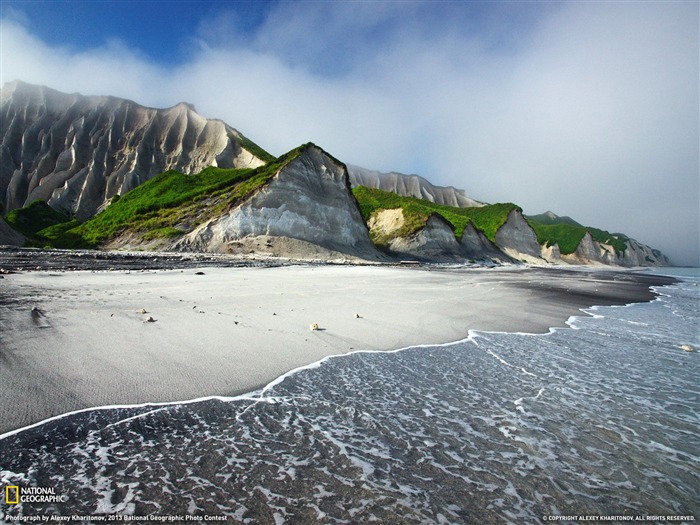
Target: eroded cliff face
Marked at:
517, 239
590, 252
434, 242
475, 245
638, 254
551, 254
410, 186
308, 201
77, 152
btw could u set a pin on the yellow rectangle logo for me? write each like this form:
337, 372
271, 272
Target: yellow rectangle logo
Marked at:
11, 494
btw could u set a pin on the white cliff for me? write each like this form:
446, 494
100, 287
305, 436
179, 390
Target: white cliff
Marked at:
410, 186
77, 152
435, 241
517, 239
551, 254
591, 252
307, 203
475, 245
638, 254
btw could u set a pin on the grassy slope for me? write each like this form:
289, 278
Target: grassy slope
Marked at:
417, 211
169, 205
568, 236
34, 217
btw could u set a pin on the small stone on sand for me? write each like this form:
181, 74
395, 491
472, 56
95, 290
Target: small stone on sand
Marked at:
150, 320
314, 327
143, 311
687, 348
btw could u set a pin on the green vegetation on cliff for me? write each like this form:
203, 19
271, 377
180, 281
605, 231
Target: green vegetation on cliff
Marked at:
416, 212
567, 233
169, 205
155, 208
34, 217
566, 236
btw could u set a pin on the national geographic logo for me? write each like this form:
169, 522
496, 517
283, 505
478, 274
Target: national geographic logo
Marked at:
14, 495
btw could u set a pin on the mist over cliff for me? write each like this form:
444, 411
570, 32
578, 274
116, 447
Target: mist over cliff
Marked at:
77, 152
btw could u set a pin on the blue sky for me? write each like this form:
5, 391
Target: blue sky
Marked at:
589, 109
165, 31
160, 29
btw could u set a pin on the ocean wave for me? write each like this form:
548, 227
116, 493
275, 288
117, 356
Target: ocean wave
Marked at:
499, 427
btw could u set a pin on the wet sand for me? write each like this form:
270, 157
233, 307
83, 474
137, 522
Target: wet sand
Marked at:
71, 340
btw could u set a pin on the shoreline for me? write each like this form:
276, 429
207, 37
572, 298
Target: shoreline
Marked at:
258, 394
212, 357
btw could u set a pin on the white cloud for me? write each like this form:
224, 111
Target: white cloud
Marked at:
601, 122
114, 69
589, 109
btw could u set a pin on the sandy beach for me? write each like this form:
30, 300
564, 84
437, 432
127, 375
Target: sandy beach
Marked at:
81, 339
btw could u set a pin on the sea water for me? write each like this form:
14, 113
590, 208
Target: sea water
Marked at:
598, 419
